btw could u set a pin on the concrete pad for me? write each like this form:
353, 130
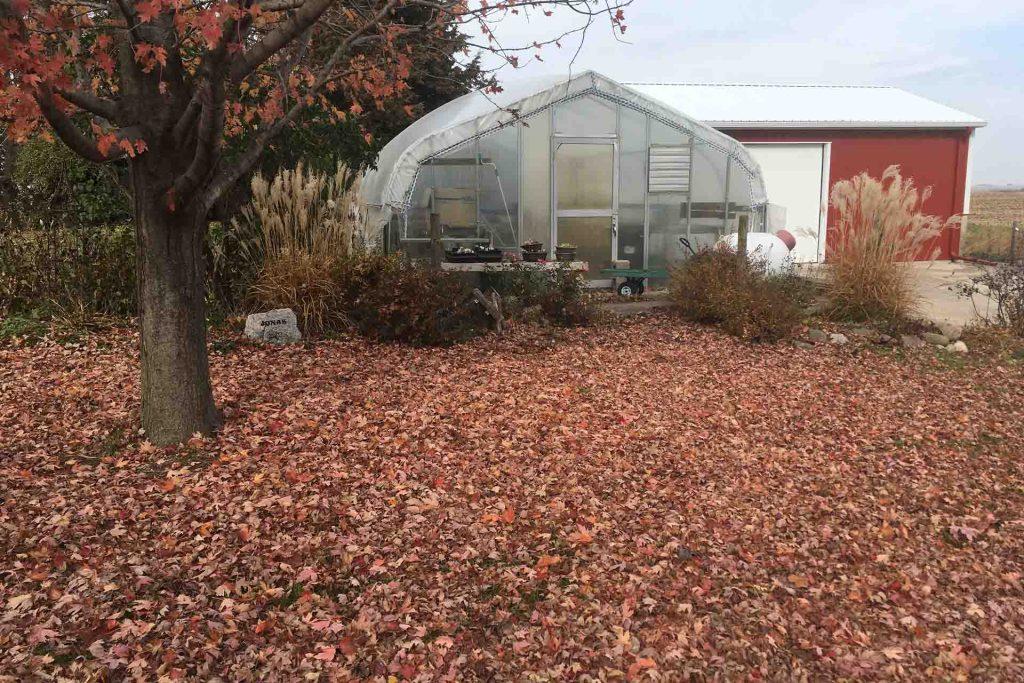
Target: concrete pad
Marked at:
935, 282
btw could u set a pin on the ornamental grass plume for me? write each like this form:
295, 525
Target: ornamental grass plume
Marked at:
295, 231
879, 229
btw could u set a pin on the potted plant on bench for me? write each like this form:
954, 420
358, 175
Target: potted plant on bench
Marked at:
533, 251
565, 252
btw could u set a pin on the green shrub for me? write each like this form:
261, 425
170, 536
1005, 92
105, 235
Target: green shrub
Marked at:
718, 288
389, 298
54, 183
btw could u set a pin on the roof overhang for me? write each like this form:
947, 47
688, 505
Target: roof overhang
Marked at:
856, 125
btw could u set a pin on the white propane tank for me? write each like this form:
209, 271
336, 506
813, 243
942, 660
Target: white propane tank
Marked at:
773, 248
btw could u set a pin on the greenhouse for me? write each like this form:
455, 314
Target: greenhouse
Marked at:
585, 161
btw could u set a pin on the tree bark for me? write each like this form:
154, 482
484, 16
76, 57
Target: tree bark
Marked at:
177, 397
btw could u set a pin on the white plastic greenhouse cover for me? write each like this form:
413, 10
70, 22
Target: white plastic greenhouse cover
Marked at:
387, 189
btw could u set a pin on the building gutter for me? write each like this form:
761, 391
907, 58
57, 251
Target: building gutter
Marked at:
857, 125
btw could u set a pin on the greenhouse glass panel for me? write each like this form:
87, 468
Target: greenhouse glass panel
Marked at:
417, 217
455, 193
499, 186
741, 213
536, 175
667, 219
585, 117
632, 185
585, 176
708, 192
592, 236
667, 210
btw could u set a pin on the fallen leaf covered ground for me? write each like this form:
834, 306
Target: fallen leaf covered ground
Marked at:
647, 501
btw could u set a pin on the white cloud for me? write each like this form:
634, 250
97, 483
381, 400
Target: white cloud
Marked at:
937, 48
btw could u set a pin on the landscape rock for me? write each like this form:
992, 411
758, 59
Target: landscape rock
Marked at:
884, 339
957, 347
911, 341
950, 330
838, 338
802, 344
817, 336
863, 332
278, 326
937, 339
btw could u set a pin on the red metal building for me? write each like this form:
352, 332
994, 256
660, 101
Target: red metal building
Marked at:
806, 138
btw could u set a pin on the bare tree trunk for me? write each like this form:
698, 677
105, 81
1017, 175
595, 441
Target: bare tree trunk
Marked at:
177, 398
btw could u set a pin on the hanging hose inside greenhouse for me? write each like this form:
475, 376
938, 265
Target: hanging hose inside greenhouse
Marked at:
501, 190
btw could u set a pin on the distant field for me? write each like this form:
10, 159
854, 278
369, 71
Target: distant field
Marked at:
987, 229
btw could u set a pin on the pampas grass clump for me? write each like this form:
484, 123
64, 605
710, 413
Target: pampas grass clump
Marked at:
879, 229
296, 230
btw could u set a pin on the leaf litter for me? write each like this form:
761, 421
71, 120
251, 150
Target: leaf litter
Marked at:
645, 501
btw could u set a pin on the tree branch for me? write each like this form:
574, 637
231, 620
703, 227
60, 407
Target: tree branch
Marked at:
230, 175
66, 129
211, 128
304, 18
91, 103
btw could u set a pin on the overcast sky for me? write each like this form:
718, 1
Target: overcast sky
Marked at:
966, 55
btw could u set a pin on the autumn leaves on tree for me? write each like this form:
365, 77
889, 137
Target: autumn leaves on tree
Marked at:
166, 83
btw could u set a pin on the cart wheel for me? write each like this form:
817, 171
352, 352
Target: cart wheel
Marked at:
640, 288
627, 288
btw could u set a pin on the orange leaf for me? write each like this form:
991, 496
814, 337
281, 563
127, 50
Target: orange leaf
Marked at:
639, 665
547, 561
581, 537
347, 645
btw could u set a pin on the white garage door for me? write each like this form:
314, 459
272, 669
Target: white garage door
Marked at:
793, 176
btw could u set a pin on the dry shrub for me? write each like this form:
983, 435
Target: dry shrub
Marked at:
387, 297
558, 296
296, 230
55, 268
879, 229
717, 287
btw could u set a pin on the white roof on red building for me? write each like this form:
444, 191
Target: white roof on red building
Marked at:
806, 106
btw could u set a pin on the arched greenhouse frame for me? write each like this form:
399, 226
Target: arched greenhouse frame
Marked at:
585, 160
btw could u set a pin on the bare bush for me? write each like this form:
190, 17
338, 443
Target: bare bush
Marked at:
718, 288
1003, 286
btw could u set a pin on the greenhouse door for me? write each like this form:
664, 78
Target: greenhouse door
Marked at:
585, 197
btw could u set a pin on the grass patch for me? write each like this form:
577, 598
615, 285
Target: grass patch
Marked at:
986, 233
28, 330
